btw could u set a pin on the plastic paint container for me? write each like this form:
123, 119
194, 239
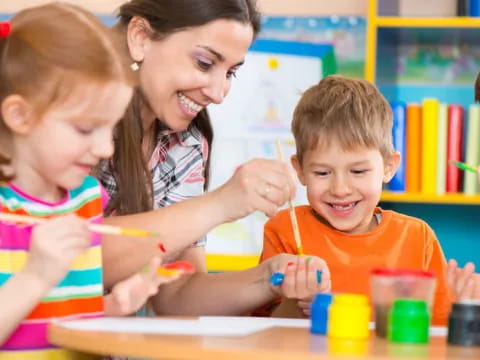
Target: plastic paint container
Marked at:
319, 313
464, 324
408, 321
348, 317
387, 285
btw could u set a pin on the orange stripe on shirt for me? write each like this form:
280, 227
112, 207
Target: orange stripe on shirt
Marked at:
67, 307
86, 210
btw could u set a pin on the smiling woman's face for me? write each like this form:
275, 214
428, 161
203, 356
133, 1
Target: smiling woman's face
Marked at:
186, 71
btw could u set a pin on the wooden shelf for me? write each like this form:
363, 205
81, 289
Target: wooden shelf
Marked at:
415, 22
460, 199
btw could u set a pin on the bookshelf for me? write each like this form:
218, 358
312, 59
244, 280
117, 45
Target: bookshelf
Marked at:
454, 217
459, 199
376, 22
383, 31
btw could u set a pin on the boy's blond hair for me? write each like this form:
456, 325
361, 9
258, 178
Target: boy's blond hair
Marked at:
350, 111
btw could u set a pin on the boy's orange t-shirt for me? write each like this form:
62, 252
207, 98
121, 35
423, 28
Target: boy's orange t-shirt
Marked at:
399, 241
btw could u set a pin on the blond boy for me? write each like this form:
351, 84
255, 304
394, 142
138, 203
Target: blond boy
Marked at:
343, 133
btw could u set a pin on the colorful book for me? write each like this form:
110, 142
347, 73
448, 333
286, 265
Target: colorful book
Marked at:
430, 109
399, 134
442, 149
454, 147
472, 154
414, 146
473, 7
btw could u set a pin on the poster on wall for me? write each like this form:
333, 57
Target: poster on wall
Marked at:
257, 112
258, 109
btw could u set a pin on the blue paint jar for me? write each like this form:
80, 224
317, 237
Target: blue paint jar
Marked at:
319, 313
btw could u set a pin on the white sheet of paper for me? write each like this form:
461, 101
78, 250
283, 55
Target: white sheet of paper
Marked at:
435, 331
440, 331
206, 325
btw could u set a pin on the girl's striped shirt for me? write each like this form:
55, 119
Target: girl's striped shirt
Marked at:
78, 295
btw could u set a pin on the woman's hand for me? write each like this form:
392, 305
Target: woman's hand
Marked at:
259, 185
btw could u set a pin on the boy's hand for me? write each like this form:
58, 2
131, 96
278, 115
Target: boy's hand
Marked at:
130, 295
464, 283
54, 246
260, 184
301, 278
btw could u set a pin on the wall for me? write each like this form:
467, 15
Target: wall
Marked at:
269, 7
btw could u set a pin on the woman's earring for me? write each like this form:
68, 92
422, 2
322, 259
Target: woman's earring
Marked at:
134, 66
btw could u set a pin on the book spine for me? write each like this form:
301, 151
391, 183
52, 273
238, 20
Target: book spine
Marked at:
472, 149
429, 145
414, 147
454, 147
397, 183
442, 149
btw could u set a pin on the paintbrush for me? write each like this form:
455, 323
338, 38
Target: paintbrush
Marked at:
293, 216
98, 228
463, 166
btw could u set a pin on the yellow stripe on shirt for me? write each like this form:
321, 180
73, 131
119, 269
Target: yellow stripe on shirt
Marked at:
14, 261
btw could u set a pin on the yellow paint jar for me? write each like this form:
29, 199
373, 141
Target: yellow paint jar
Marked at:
348, 317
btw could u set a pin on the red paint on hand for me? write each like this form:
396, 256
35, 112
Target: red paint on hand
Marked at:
183, 266
162, 247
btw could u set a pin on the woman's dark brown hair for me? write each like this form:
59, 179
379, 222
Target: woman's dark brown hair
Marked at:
165, 17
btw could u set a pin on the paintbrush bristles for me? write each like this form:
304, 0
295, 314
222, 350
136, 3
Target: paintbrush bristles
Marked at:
293, 216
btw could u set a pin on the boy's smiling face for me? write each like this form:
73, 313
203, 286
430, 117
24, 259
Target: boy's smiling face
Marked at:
344, 186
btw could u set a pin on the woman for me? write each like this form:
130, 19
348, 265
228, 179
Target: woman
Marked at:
186, 53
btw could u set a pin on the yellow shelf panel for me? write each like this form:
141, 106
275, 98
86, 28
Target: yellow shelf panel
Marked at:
454, 22
426, 198
223, 262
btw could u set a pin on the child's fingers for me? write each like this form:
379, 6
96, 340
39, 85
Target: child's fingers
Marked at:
451, 272
122, 297
468, 290
288, 286
312, 278
165, 279
149, 272
462, 278
304, 306
476, 291
320, 277
301, 278
155, 264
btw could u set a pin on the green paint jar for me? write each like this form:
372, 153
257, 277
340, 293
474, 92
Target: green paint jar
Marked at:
408, 321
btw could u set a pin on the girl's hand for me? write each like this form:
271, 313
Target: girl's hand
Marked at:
301, 278
260, 184
130, 295
464, 283
54, 246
